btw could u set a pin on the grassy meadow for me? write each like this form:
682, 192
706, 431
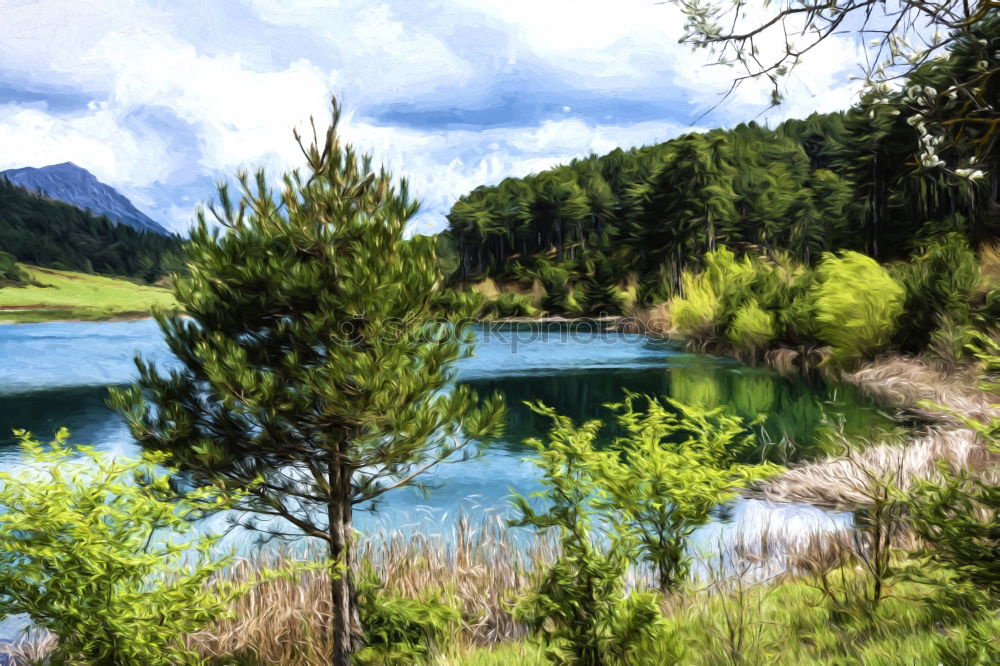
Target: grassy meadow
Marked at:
58, 295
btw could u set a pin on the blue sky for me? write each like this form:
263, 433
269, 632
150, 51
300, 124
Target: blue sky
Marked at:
161, 99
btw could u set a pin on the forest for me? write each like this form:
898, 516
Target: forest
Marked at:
52, 234
867, 180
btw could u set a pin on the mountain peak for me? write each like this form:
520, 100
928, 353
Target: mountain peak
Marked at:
75, 185
67, 166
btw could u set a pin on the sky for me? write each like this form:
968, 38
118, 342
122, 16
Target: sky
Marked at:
163, 99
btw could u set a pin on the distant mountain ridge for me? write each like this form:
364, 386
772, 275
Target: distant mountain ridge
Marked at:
75, 185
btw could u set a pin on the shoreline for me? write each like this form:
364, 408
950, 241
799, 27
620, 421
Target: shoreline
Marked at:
900, 383
124, 316
905, 384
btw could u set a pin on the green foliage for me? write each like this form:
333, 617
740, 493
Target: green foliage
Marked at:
939, 283
960, 520
581, 608
856, 303
788, 623
313, 356
747, 302
400, 631
638, 501
510, 304
752, 328
976, 643
830, 182
985, 348
698, 312
796, 317
560, 294
11, 274
44, 232
602, 293
460, 302
91, 556
665, 475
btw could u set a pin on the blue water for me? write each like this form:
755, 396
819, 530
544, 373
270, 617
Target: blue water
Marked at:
57, 374
54, 375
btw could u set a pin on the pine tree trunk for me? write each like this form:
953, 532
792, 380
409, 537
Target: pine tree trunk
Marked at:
346, 632
559, 247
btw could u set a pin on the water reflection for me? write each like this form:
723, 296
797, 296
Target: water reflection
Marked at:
800, 420
54, 375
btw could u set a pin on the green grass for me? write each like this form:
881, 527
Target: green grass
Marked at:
65, 295
794, 624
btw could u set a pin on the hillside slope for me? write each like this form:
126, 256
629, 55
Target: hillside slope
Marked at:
66, 295
74, 185
44, 232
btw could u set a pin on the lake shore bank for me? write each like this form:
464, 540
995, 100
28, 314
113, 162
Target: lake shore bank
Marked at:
937, 399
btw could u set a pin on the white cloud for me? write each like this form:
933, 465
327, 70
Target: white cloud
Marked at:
229, 110
95, 141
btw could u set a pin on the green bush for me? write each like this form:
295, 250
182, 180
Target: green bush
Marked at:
856, 305
960, 520
510, 305
798, 320
636, 501
581, 609
663, 477
602, 294
732, 280
11, 274
743, 301
463, 303
400, 631
698, 312
752, 328
555, 280
90, 555
939, 282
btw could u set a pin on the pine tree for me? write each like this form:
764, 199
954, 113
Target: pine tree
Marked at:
313, 359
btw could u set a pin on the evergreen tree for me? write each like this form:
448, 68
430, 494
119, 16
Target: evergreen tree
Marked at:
45, 232
313, 360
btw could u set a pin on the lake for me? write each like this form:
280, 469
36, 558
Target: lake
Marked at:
57, 374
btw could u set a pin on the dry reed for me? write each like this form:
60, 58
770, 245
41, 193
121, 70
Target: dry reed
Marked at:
482, 565
908, 384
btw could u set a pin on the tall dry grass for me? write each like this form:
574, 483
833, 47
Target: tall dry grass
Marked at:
989, 264
914, 386
654, 321
841, 482
481, 564
906, 382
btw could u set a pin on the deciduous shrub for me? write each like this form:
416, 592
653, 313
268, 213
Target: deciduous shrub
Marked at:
510, 304
637, 501
400, 631
857, 304
580, 609
698, 312
93, 557
752, 329
661, 480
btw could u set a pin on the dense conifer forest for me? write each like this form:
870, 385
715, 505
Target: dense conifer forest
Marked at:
873, 179
43, 232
